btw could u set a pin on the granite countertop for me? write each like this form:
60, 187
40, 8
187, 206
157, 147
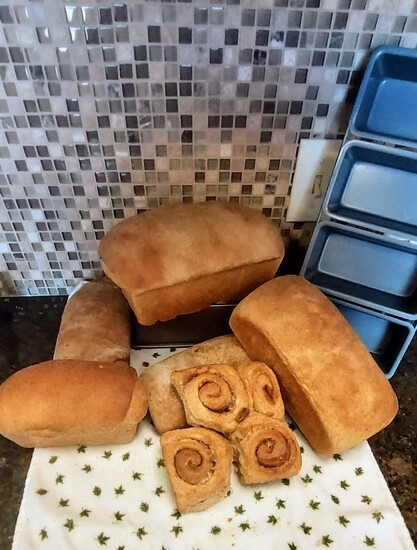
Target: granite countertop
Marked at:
28, 330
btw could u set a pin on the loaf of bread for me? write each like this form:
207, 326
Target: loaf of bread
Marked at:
165, 406
72, 402
95, 324
331, 385
181, 258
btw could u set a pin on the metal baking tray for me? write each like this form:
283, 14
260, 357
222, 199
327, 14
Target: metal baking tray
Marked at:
386, 338
374, 186
368, 269
184, 330
385, 107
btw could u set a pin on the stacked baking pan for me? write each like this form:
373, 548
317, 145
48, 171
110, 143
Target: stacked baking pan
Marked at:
363, 252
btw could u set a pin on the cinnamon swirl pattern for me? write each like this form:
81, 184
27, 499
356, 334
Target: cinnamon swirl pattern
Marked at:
198, 462
263, 389
265, 449
214, 396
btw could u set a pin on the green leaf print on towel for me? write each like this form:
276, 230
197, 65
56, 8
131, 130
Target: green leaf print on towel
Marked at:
326, 540
314, 505
69, 524
140, 533
102, 539
343, 521
377, 516
177, 530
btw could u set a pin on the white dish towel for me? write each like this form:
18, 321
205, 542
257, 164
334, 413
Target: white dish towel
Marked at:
118, 497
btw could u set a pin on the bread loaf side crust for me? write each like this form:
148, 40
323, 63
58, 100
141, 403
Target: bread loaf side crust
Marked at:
191, 296
95, 324
179, 259
71, 402
174, 244
330, 384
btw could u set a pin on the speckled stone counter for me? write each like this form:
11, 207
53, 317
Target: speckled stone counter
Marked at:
28, 330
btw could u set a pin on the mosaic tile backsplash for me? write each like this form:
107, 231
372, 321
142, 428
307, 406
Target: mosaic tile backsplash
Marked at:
110, 108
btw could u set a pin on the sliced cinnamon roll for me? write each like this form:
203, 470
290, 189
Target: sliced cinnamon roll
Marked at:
265, 449
198, 462
263, 389
213, 396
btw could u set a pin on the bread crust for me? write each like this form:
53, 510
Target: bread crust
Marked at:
95, 324
72, 402
214, 396
200, 478
184, 244
165, 407
263, 389
265, 449
331, 385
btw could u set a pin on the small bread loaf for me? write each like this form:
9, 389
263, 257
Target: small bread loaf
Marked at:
95, 324
71, 402
198, 463
181, 258
165, 407
331, 385
214, 396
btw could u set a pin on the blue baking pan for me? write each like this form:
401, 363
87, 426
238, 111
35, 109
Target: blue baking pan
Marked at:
363, 267
386, 338
375, 187
385, 108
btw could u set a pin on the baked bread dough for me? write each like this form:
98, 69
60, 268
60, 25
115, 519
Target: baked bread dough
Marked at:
330, 384
198, 463
265, 449
263, 389
213, 396
165, 406
72, 402
95, 324
181, 258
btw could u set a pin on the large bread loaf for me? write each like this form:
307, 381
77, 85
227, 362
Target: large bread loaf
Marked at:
181, 258
71, 403
330, 383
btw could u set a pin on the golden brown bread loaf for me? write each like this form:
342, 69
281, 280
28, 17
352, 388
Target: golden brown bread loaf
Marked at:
72, 402
165, 407
95, 324
181, 258
331, 385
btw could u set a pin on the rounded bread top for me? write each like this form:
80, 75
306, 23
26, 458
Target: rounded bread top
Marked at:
176, 243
